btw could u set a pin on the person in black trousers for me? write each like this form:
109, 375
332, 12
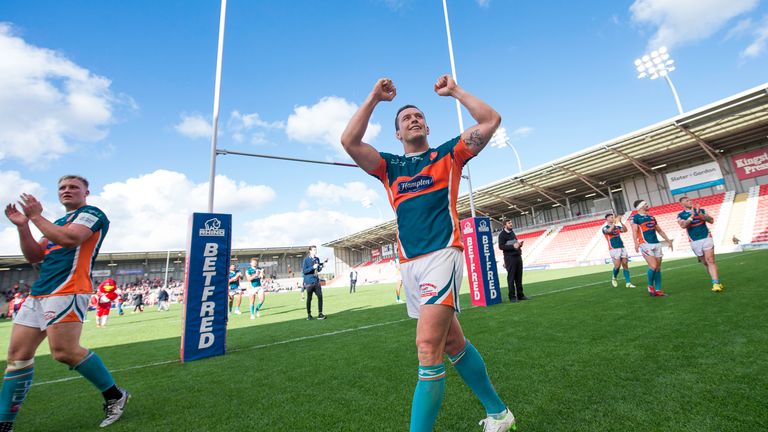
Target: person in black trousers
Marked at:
513, 261
311, 268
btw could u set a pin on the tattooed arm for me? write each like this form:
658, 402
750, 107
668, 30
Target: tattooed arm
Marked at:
487, 118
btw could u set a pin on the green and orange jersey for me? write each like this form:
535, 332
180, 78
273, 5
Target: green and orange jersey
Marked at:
613, 236
66, 271
422, 189
697, 230
646, 228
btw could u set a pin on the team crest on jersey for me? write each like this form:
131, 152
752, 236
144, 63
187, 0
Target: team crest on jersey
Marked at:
432, 155
416, 184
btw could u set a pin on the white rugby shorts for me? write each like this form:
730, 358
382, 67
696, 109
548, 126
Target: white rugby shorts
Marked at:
434, 278
699, 246
618, 253
43, 312
651, 249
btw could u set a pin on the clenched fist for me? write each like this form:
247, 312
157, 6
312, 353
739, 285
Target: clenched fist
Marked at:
445, 86
384, 90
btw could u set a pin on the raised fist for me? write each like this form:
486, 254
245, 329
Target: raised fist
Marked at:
445, 85
384, 90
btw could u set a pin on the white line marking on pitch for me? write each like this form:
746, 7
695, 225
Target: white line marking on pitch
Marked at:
255, 347
365, 327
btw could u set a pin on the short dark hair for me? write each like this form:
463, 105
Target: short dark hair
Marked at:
74, 177
634, 204
608, 214
402, 108
682, 198
311, 247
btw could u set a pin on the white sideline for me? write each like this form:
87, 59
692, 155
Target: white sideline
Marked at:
365, 327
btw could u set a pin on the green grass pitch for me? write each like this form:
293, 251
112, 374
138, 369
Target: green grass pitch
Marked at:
581, 356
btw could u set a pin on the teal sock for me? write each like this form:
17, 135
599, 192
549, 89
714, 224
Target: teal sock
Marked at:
626, 276
427, 397
16, 385
651, 277
471, 367
253, 309
715, 281
92, 368
615, 272
657, 280
258, 306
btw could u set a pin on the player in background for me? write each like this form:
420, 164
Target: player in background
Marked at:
106, 294
644, 230
695, 219
234, 285
612, 232
399, 284
58, 300
422, 186
254, 275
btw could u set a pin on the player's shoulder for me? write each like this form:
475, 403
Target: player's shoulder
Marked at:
637, 218
93, 210
448, 146
683, 214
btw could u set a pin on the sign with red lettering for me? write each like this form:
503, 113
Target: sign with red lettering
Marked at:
751, 164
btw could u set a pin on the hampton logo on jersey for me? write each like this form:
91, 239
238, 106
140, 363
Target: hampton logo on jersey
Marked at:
416, 184
67, 271
423, 190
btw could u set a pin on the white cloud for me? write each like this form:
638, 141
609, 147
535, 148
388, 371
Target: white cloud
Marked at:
151, 212
194, 126
681, 21
758, 45
12, 184
239, 125
334, 194
47, 100
484, 3
739, 29
323, 123
305, 227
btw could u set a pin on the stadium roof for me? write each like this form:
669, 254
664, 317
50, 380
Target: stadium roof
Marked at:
709, 131
264, 254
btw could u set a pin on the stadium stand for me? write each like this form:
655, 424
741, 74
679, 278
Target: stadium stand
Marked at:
760, 227
568, 243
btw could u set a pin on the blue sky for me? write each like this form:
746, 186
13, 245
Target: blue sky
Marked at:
121, 92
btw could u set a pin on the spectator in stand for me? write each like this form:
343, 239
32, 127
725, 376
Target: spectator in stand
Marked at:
735, 240
352, 281
513, 261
